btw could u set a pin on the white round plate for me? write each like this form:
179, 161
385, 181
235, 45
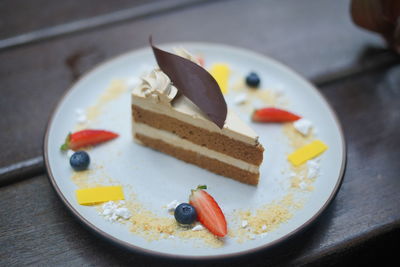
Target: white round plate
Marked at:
156, 179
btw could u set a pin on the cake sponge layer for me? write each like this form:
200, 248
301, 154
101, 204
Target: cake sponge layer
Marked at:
252, 154
210, 164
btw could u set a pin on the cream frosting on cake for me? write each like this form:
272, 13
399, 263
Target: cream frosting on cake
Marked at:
156, 93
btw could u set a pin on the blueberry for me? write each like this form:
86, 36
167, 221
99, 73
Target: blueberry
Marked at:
253, 80
79, 160
185, 214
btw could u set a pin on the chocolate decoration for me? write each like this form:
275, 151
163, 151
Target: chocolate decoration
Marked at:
195, 83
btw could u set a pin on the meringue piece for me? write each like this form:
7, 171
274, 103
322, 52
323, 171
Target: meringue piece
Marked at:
172, 205
70, 153
115, 212
313, 169
240, 99
81, 119
198, 227
303, 126
123, 213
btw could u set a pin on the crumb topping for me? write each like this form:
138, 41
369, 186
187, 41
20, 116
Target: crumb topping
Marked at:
246, 225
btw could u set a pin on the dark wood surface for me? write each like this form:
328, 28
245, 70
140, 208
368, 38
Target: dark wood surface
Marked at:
23, 16
316, 38
33, 80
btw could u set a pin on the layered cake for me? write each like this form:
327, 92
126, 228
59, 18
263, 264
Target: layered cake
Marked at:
165, 119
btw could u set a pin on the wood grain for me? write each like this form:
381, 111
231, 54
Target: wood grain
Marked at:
359, 78
21, 170
134, 12
21, 16
37, 229
34, 77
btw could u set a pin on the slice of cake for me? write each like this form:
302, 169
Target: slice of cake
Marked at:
168, 121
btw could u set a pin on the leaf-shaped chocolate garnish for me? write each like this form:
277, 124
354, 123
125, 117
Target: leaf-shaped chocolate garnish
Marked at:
195, 83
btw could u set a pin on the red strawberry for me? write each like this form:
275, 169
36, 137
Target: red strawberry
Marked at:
86, 138
208, 212
273, 115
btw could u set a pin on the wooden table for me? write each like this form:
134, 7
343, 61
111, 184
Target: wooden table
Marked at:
46, 45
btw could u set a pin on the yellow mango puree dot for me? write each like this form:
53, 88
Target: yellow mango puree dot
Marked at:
221, 72
307, 152
91, 196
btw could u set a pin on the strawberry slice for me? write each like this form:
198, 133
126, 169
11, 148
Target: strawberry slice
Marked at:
273, 115
86, 138
208, 212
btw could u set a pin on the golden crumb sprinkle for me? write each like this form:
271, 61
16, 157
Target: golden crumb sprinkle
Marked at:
243, 225
298, 174
112, 92
153, 227
265, 219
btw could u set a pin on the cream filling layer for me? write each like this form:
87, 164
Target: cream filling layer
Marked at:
170, 138
183, 109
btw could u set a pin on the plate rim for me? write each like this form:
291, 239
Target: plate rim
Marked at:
164, 255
